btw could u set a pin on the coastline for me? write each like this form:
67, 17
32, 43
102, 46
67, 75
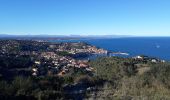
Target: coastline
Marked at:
133, 46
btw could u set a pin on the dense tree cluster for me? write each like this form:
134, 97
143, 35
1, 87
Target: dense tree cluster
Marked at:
48, 88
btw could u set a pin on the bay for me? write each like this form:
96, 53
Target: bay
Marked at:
158, 47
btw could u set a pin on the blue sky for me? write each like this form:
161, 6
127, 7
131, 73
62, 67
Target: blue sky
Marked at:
85, 17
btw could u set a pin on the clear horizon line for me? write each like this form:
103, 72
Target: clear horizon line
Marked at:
80, 35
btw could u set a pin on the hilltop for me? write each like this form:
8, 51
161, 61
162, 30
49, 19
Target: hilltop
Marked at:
49, 71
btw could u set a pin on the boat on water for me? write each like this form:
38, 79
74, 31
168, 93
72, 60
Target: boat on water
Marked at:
158, 46
120, 53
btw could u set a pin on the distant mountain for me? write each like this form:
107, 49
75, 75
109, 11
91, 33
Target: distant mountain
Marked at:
6, 36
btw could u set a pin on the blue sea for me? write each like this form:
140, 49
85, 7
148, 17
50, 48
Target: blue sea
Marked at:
158, 47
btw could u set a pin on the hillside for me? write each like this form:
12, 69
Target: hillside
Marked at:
117, 78
128, 79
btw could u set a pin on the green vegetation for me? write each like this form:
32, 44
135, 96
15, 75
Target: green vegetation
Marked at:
125, 82
113, 78
106, 78
48, 88
63, 53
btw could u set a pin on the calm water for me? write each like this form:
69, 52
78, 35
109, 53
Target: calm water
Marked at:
152, 46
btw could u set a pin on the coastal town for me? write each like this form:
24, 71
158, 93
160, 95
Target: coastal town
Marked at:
84, 50
56, 59
69, 63
51, 58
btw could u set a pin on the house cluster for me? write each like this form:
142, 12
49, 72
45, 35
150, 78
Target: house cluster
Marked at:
151, 59
48, 57
59, 65
81, 65
93, 49
84, 49
7, 46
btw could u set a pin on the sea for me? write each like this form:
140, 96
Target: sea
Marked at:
158, 47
